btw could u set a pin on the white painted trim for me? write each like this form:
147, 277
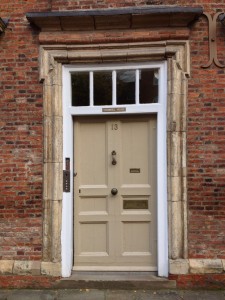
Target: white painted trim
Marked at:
91, 88
162, 211
160, 110
67, 203
130, 109
108, 67
114, 75
137, 87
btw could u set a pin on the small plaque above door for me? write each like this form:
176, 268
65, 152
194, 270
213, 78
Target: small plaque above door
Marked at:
114, 109
135, 204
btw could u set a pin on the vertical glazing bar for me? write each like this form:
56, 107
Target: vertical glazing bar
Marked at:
160, 76
114, 87
137, 87
91, 88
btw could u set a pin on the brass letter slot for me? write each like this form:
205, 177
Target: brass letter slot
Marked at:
135, 204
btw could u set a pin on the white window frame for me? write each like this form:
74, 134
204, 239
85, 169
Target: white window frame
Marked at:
130, 108
160, 109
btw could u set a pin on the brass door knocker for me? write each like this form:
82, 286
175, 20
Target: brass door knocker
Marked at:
114, 162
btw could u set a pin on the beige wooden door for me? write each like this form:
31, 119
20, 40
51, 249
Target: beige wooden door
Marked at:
115, 232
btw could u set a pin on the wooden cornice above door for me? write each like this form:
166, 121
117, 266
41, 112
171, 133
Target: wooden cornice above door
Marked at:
120, 18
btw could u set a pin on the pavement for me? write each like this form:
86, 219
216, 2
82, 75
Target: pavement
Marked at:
89, 294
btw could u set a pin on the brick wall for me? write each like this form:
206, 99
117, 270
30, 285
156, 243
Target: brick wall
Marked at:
89, 4
20, 136
206, 147
21, 142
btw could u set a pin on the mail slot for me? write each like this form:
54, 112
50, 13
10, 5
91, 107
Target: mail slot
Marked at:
135, 204
135, 170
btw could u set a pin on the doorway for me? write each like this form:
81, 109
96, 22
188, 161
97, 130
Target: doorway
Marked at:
118, 79
115, 193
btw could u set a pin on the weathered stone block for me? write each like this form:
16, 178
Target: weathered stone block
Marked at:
36, 268
223, 262
204, 266
22, 267
6, 267
178, 266
51, 269
176, 229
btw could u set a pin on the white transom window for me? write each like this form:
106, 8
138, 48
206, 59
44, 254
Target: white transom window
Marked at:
108, 89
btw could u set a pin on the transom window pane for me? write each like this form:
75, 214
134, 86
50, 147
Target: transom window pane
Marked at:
115, 87
103, 88
125, 87
80, 89
148, 86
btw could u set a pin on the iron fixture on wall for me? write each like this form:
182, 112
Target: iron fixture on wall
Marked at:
3, 25
212, 21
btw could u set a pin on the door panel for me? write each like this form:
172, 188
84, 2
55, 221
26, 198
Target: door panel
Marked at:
133, 242
93, 237
93, 149
115, 231
134, 154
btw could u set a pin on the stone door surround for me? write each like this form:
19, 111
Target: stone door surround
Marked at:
52, 59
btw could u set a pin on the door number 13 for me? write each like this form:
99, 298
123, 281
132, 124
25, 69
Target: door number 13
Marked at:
114, 126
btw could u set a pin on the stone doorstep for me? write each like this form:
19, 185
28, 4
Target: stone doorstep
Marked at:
115, 280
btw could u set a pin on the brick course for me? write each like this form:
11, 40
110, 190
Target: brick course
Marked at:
26, 282
206, 281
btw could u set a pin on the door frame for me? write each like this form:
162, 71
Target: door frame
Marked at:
160, 110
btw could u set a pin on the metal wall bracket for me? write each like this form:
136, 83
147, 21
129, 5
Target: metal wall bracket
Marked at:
3, 24
66, 176
212, 41
66, 181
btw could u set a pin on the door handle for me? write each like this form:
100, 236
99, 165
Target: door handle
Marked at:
114, 191
114, 162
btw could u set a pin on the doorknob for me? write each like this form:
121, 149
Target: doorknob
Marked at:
114, 191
